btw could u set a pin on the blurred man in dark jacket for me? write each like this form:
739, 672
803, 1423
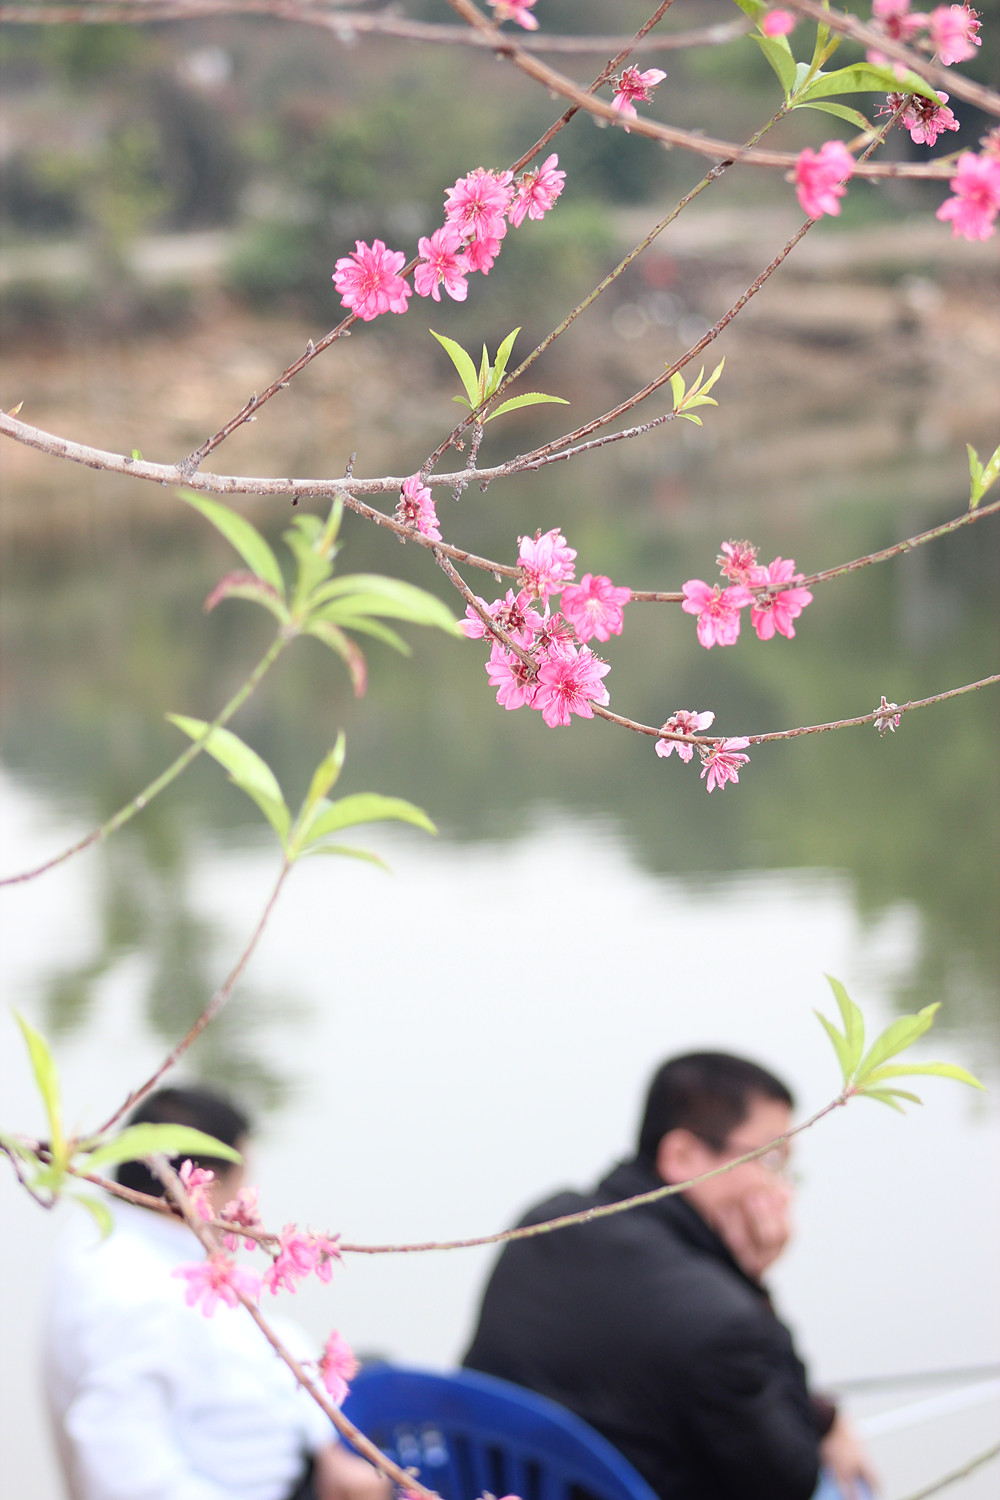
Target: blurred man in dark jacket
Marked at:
652, 1324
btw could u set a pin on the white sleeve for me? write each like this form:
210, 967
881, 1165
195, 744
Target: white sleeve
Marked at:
119, 1424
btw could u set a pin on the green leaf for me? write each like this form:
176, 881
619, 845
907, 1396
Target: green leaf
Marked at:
246, 769
365, 807
902, 1033
529, 398
138, 1141
703, 390
349, 652
365, 626
238, 531
935, 1070
377, 595
47, 1078
889, 1096
677, 389
463, 364
248, 586
840, 1045
854, 1025
866, 78
348, 853
755, 9
841, 111
306, 541
500, 363
484, 373
981, 476
690, 416
779, 55
137, 455
326, 773
99, 1210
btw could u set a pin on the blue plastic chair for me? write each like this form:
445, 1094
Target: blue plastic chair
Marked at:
469, 1435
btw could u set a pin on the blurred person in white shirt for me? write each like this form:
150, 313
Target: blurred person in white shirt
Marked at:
152, 1401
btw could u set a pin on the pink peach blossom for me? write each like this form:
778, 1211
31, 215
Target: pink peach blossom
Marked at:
953, 31
568, 683
536, 192
887, 716
976, 186
922, 117
515, 681
594, 607
737, 561
368, 280
779, 23
683, 721
326, 1249
775, 612
338, 1366
632, 86
442, 261
477, 205
819, 178
513, 614
196, 1180
896, 20
718, 611
415, 508
518, 11
242, 1210
546, 563
296, 1259
217, 1279
722, 764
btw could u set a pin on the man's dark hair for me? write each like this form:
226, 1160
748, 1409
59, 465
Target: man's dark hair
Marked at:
201, 1108
708, 1093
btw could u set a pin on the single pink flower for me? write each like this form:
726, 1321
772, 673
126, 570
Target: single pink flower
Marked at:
477, 205
217, 1279
953, 31
326, 1249
594, 607
683, 721
722, 764
518, 11
242, 1210
442, 261
775, 612
415, 508
546, 563
887, 716
737, 561
368, 280
632, 86
924, 119
976, 186
513, 614
338, 1366
536, 192
568, 683
819, 178
196, 1180
552, 637
296, 1259
481, 253
779, 23
515, 681
718, 611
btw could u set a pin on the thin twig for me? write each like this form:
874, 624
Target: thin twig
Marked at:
956, 1474
208, 1015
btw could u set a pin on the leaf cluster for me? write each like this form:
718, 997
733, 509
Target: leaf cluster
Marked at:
981, 475
482, 384
697, 395
869, 1072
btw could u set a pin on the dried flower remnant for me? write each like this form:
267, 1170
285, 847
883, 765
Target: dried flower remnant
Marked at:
594, 607
779, 23
772, 612
415, 508
887, 716
518, 11
368, 280
338, 1366
632, 86
536, 192
976, 186
953, 31
217, 1279
923, 118
820, 178
738, 562
718, 611
683, 721
722, 763
442, 262
546, 562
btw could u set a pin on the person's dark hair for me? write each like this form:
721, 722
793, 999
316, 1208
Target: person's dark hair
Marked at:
201, 1108
708, 1093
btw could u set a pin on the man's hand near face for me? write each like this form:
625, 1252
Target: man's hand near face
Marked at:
757, 1227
